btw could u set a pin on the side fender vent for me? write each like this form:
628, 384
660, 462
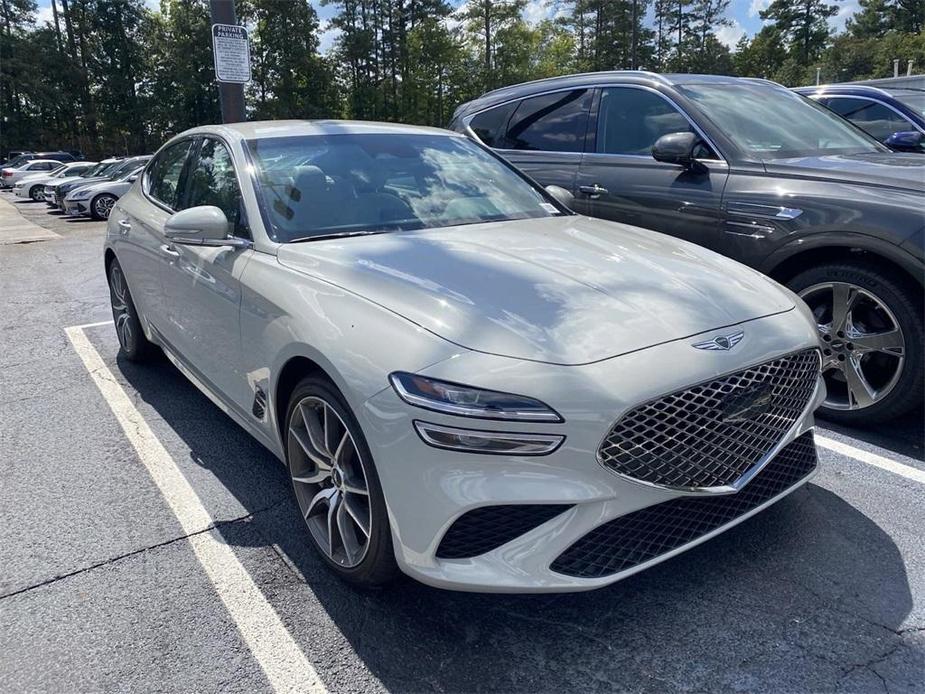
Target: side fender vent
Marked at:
260, 404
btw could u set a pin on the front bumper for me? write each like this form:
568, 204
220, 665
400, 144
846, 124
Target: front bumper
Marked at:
20, 191
427, 490
77, 208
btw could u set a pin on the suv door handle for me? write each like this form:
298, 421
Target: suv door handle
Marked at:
124, 226
169, 251
593, 191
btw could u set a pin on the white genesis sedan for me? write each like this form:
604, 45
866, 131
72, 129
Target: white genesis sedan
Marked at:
467, 382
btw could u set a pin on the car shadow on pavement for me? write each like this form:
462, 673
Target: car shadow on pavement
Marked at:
796, 599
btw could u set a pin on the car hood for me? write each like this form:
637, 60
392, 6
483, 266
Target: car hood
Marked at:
565, 290
33, 178
80, 181
886, 169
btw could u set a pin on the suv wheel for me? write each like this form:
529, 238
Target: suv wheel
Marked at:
336, 485
872, 340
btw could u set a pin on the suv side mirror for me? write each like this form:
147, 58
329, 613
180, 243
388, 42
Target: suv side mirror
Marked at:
905, 141
676, 148
205, 225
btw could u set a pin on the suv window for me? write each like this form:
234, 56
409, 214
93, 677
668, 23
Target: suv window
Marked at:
551, 122
870, 116
164, 176
212, 181
631, 120
489, 125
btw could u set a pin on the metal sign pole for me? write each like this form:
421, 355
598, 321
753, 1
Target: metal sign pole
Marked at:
231, 94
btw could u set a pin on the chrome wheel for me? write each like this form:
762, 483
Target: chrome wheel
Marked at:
863, 344
118, 297
102, 206
37, 193
330, 481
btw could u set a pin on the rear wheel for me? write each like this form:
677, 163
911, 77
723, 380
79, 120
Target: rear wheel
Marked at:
135, 346
336, 485
101, 206
872, 339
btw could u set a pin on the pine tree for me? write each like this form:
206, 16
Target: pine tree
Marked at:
803, 24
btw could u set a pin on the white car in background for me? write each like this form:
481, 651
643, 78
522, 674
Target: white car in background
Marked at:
96, 200
92, 175
33, 186
9, 176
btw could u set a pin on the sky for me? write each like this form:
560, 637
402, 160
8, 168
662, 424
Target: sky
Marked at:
743, 15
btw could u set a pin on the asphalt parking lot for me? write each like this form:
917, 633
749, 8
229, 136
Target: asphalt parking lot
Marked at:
148, 543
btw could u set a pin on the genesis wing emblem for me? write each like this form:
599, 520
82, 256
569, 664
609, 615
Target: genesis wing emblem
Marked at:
722, 342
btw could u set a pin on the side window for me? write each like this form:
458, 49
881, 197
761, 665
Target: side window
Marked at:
41, 166
489, 125
872, 117
212, 181
551, 122
631, 120
164, 175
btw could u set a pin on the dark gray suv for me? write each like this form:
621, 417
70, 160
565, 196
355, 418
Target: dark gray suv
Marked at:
754, 171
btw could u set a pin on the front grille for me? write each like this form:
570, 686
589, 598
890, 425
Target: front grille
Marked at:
642, 535
710, 435
488, 527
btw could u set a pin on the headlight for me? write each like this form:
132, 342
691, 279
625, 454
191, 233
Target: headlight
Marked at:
79, 195
466, 401
487, 442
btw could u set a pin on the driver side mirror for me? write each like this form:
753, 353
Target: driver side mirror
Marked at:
205, 225
676, 148
562, 195
905, 141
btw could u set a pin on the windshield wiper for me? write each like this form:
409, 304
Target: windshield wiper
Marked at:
336, 235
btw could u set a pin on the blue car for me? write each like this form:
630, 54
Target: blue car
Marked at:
895, 115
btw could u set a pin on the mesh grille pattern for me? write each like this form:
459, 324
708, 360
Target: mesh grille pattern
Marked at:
642, 535
483, 529
712, 434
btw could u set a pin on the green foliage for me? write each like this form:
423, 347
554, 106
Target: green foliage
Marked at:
119, 76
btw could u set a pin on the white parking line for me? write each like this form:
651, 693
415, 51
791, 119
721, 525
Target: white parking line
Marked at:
873, 459
283, 662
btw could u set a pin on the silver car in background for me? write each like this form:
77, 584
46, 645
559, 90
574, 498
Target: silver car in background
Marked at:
33, 187
467, 382
96, 199
95, 173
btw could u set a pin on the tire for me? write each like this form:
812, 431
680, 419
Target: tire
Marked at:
101, 206
894, 371
37, 193
132, 341
376, 565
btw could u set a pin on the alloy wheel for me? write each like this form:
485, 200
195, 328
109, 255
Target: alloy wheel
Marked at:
37, 193
330, 481
118, 297
863, 344
103, 206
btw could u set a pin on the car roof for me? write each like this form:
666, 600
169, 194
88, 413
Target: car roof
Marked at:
586, 79
858, 90
254, 130
44, 161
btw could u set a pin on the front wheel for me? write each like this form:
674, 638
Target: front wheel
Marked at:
336, 485
37, 193
102, 206
135, 345
872, 338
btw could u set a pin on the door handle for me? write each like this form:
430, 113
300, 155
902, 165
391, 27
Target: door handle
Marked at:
124, 226
593, 191
170, 251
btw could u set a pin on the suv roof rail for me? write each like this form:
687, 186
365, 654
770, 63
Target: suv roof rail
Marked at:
762, 80
638, 73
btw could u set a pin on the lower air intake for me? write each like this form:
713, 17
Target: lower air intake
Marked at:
484, 529
642, 535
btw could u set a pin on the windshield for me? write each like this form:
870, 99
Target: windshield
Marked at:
771, 122
98, 170
914, 100
123, 168
328, 184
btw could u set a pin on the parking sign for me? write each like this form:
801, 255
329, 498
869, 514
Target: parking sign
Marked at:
232, 53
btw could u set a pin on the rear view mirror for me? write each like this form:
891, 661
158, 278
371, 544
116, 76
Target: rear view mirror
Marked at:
905, 141
562, 195
205, 225
676, 148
